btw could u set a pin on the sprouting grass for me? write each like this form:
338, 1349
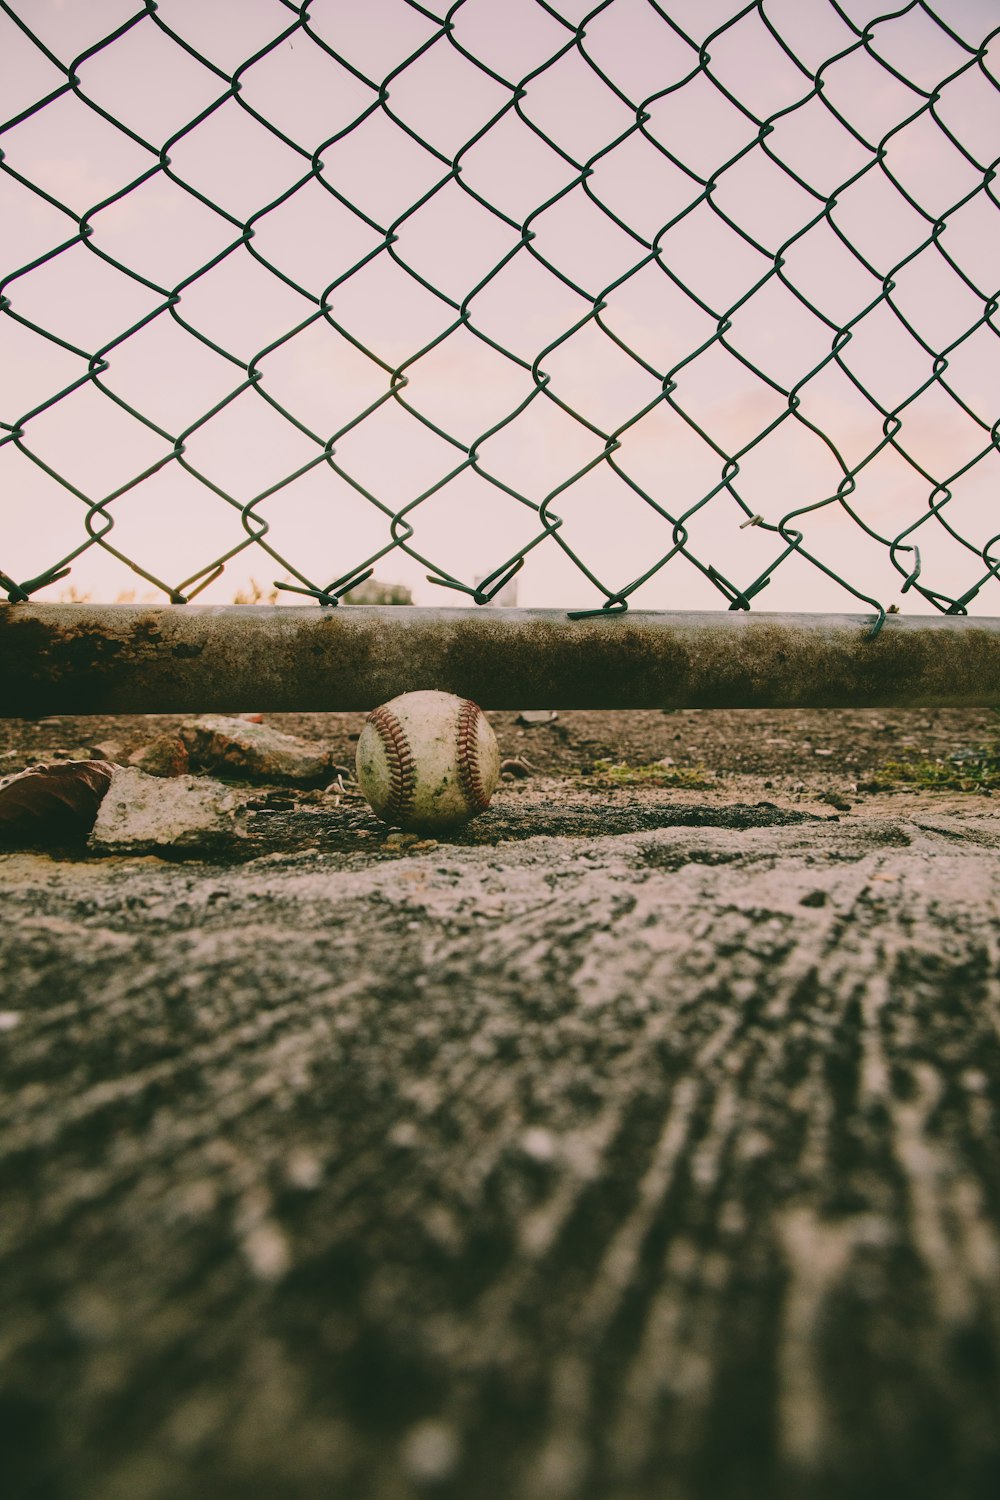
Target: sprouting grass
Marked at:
609, 773
976, 771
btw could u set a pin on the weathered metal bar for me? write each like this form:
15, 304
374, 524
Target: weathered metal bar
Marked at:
121, 658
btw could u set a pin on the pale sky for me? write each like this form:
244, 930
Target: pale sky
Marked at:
370, 260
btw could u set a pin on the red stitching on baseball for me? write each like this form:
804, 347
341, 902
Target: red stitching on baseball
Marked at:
399, 757
471, 781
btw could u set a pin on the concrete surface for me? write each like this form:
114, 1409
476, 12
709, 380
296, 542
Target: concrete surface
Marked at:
655, 1164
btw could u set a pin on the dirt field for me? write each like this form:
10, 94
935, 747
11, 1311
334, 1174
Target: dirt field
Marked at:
638, 1143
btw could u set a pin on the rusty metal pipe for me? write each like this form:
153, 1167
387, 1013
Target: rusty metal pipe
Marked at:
125, 658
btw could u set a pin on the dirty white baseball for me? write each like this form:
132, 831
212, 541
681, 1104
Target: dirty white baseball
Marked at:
428, 761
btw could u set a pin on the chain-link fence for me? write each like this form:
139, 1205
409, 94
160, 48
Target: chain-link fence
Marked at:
663, 303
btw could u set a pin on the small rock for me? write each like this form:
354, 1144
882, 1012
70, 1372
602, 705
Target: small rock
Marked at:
53, 804
430, 1453
516, 766
814, 898
537, 718
110, 750
249, 751
165, 756
190, 813
401, 840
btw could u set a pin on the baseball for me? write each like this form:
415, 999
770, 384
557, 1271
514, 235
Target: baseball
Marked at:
428, 761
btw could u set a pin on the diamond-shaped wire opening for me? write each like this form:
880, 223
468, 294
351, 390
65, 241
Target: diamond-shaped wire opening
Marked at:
846, 416
343, 526
375, 38
235, 162
764, 201
878, 223
642, 186
750, 65
656, 319
591, 374
699, 127
573, 108
712, 260
247, 447
615, 533
465, 387
915, 45
930, 297
971, 237
453, 243
512, 39
80, 299
395, 457
969, 106
725, 399
323, 379
171, 524
149, 83
924, 163
168, 376
388, 311
817, 147
446, 98
92, 443
669, 460
33, 370
637, 50
406, 170
539, 450
305, 92
525, 307
812, 30
514, 169
791, 467
825, 272
241, 307
69, 152
778, 335
313, 238
162, 232
471, 527
939, 436
583, 243
865, 94
226, 32
886, 360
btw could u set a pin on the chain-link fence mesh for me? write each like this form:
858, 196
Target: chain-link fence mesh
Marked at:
665, 303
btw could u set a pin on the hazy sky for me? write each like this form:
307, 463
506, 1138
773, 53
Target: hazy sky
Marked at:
527, 261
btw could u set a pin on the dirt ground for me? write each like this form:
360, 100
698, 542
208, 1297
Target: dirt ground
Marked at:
794, 758
638, 1142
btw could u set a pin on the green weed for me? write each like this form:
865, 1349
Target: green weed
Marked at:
972, 771
608, 773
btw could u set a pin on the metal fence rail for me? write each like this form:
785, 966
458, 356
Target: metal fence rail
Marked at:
801, 289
